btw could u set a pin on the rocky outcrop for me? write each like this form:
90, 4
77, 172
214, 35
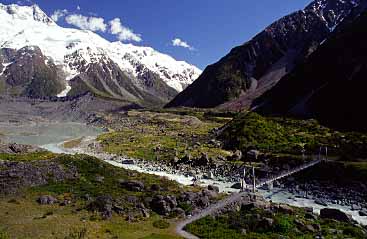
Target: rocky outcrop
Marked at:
251, 69
16, 175
27, 72
18, 149
335, 214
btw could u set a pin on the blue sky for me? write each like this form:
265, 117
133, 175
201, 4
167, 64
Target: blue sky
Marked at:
209, 27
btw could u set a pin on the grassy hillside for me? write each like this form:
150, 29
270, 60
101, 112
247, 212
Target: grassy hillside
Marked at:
22, 216
287, 135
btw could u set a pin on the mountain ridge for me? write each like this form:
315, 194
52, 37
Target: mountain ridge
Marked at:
230, 83
73, 49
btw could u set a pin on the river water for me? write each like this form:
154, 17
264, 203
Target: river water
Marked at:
51, 136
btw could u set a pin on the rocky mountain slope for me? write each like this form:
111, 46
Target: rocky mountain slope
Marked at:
27, 72
84, 61
330, 85
251, 69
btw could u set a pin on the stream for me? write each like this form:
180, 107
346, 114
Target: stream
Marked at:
51, 136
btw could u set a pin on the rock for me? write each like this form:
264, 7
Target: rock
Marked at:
363, 213
276, 184
145, 213
266, 223
310, 216
134, 186
236, 156
132, 199
210, 194
155, 188
99, 179
321, 202
118, 209
102, 204
356, 207
46, 200
203, 160
203, 202
236, 186
310, 228
317, 227
213, 188
253, 155
258, 204
308, 209
299, 223
128, 161
163, 205
284, 209
335, 214
178, 212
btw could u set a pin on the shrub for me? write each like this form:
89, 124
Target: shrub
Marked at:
283, 224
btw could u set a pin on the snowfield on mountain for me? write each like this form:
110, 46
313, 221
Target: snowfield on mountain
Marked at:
73, 49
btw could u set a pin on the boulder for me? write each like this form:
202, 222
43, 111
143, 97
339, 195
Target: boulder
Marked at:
258, 204
134, 186
155, 188
310, 216
102, 204
335, 214
99, 179
266, 223
163, 205
236, 156
145, 213
321, 202
283, 208
213, 188
253, 155
363, 213
210, 194
236, 186
128, 161
47, 200
178, 212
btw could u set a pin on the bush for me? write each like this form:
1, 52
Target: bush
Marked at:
161, 224
4, 235
283, 224
353, 232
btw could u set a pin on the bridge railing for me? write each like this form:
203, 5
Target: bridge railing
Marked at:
289, 172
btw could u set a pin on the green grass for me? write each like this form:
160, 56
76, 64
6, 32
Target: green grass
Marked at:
72, 143
22, 217
27, 157
89, 168
161, 224
230, 225
181, 134
290, 136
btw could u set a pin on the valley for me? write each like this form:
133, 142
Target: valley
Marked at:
104, 139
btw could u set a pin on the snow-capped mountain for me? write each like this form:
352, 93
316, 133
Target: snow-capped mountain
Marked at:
74, 51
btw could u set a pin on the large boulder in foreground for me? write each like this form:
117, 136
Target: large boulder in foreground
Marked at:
335, 214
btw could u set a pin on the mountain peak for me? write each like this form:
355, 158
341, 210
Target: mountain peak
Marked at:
33, 12
332, 11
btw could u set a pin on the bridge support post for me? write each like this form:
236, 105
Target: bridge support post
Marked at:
253, 180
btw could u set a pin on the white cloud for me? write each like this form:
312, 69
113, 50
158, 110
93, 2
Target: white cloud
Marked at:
78, 8
123, 33
180, 43
87, 23
58, 14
